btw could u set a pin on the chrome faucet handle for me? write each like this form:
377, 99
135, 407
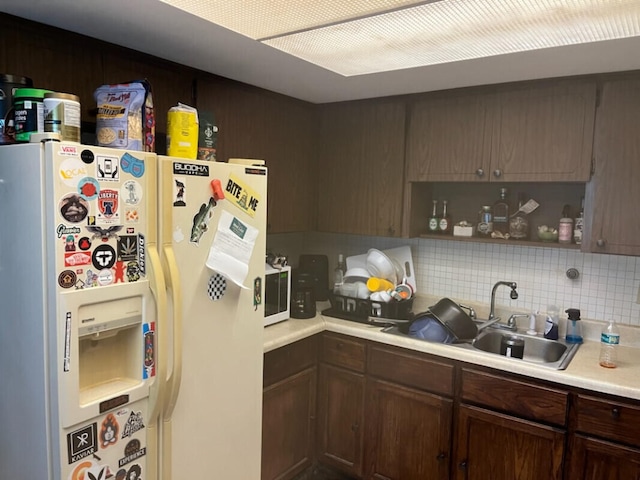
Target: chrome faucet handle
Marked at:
511, 323
472, 312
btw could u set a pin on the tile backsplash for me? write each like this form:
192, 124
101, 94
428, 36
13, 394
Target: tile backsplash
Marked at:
607, 287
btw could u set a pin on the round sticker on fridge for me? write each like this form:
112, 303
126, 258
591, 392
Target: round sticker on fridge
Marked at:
216, 287
105, 277
104, 256
73, 208
72, 170
88, 188
131, 192
67, 278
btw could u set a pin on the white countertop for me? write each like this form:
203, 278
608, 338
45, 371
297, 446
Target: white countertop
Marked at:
583, 371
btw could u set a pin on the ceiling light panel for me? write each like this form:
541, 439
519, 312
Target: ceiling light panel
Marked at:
455, 30
259, 19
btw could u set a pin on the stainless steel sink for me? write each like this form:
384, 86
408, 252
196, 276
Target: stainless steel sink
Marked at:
554, 354
551, 353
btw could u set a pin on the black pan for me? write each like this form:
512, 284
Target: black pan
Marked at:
457, 321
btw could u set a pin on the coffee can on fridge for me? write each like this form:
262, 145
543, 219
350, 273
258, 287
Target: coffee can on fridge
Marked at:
62, 115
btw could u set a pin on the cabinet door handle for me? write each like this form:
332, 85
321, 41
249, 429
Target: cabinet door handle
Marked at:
600, 242
441, 456
480, 172
355, 427
615, 413
462, 465
497, 173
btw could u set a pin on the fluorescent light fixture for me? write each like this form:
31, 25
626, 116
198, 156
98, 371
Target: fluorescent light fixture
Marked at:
363, 37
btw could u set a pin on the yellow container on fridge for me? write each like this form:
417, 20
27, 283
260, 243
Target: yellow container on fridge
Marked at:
182, 132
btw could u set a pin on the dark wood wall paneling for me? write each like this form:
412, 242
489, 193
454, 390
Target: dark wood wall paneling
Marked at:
253, 123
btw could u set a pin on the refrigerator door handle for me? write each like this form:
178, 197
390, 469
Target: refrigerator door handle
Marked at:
172, 277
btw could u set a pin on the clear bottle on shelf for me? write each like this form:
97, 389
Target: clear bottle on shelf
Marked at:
501, 213
433, 224
485, 221
609, 341
445, 220
519, 223
579, 225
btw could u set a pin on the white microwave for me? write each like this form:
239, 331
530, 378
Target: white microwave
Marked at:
277, 294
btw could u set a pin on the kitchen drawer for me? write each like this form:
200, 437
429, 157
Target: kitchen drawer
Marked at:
343, 351
411, 369
517, 397
285, 361
619, 421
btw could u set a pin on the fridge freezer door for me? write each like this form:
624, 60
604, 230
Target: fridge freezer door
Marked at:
215, 415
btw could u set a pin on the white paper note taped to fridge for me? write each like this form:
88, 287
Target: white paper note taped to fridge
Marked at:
232, 247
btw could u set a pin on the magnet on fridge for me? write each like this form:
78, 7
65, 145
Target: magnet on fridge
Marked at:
218, 193
257, 292
216, 287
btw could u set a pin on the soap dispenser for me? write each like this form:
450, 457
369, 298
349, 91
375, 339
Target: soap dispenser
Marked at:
574, 329
551, 325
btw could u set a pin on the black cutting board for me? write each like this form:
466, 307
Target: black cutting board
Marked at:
318, 266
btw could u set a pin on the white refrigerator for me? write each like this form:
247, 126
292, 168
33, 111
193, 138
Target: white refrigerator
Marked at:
126, 348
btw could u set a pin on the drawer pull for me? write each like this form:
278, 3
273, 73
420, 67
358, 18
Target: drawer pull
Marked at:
615, 413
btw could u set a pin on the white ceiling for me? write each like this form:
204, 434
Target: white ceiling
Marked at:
154, 27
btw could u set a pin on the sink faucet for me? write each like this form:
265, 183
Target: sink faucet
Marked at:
514, 295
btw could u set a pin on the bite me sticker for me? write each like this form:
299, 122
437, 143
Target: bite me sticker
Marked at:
243, 196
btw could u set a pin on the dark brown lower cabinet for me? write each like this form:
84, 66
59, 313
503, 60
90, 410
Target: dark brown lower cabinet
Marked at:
408, 433
341, 418
593, 459
288, 415
496, 446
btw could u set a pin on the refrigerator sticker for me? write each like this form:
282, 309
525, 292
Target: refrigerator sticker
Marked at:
118, 272
132, 165
134, 424
108, 169
179, 193
128, 247
97, 472
68, 150
82, 443
72, 170
178, 235
73, 208
66, 362
243, 196
133, 271
142, 255
192, 169
134, 473
201, 221
70, 244
104, 256
84, 243
86, 156
112, 403
108, 206
91, 279
109, 431
232, 247
105, 277
149, 335
131, 192
63, 230
216, 287
88, 188
131, 215
78, 258
132, 452
67, 279
257, 292
104, 234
